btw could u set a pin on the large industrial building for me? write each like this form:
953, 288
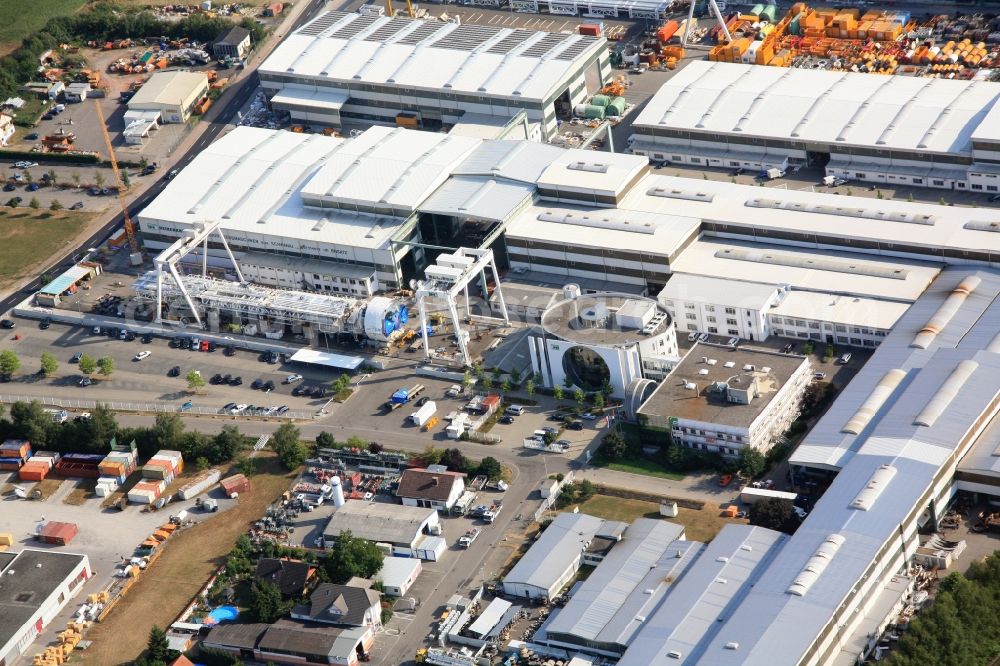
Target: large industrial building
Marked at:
351, 68
36, 585
897, 130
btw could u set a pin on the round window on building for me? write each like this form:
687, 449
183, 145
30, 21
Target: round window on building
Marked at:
585, 368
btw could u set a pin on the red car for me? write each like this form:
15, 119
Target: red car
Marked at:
725, 480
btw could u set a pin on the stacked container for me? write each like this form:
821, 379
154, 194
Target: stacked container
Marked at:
146, 492
35, 469
165, 465
13, 454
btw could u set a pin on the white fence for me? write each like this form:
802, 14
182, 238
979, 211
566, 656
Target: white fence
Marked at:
147, 407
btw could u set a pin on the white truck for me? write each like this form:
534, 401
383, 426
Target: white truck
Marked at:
490, 515
468, 538
749, 495
424, 414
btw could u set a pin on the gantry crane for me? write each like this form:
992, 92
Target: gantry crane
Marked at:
135, 253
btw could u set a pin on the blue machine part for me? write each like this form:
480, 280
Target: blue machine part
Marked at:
388, 326
404, 314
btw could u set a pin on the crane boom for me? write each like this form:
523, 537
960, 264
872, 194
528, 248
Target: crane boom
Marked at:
133, 242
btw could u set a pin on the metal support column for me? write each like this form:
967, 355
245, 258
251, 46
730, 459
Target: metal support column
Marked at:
236, 265
184, 292
503, 304
421, 308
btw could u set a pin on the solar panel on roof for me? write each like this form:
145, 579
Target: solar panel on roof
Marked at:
466, 37
575, 49
509, 42
321, 23
428, 29
354, 27
544, 45
384, 32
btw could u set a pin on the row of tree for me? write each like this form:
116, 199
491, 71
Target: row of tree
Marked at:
10, 364
750, 462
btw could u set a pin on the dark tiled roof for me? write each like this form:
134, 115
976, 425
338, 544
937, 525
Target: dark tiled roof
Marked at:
421, 484
241, 636
234, 36
351, 602
288, 576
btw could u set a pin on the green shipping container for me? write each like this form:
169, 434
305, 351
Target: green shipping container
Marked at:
794, 27
769, 13
600, 100
757, 9
594, 112
616, 107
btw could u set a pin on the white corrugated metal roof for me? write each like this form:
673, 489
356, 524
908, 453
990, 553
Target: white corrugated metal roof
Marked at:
717, 581
561, 544
480, 197
174, 88
522, 161
717, 291
433, 56
627, 586
319, 99
388, 168
836, 108
606, 174
847, 310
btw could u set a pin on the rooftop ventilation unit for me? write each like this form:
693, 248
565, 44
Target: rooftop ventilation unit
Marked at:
794, 260
844, 211
982, 226
672, 193
944, 313
598, 222
944, 395
593, 167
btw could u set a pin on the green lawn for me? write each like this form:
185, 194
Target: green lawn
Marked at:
31, 236
638, 465
20, 18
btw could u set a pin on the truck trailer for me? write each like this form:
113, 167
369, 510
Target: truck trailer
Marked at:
749, 495
424, 414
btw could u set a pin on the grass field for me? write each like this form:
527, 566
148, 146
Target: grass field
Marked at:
47, 487
81, 492
188, 559
637, 465
20, 18
31, 236
700, 525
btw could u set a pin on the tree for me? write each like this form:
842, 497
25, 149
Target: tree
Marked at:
497, 373
264, 603
614, 446
248, 466
751, 462
558, 393
487, 383
356, 442
201, 463
26, 175
225, 445
194, 380
35, 203
290, 449
157, 648
598, 401
9, 362
52, 176
515, 376
468, 380
126, 181
454, 460
55, 206
606, 388
579, 396
88, 365
505, 386
143, 163
774, 513
99, 179
29, 421
106, 366
76, 178
49, 364
167, 431
490, 468
431, 455
352, 557
325, 440
567, 382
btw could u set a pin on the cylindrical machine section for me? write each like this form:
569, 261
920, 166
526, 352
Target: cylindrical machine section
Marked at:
338, 492
383, 317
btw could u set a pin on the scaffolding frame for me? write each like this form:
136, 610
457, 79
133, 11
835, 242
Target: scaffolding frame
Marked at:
450, 276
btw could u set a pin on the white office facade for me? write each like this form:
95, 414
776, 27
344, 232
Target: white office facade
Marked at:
363, 68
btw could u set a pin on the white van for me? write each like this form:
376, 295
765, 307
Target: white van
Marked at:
514, 410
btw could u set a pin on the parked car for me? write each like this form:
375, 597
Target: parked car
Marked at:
24, 164
174, 371
45, 324
75, 358
32, 137
77, 206
145, 353
85, 381
422, 401
229, 406
236, 381
7, 323
844, 359
301, 389
186, 406
268, 386
32, 187
819, 375
170, 176
215, 380
506, 419
146, 339
256, 384
725, 480
229, 351
9, 187
291, 379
